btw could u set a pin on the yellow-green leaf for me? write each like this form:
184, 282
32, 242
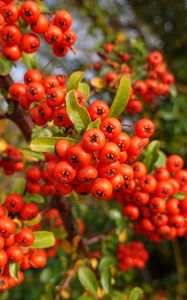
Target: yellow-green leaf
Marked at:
78, 114
74, 80
46, 144
43, 239
122, 97
88, 280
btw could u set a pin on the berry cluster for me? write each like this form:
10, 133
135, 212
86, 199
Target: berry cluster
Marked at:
152, 200
11, 160
14, 19
153, 81
44, 98
132, 255
98, 164
16, 240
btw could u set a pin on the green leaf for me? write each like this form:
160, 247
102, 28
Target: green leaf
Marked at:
19, 185
115, 214
31, 155
161, 161
151, 155
43, 239
122, 97
94, 124
85, 89
105, 262
78, 114
83, 297
106, 280
43, 7
179, 196
116, 295
74, 80
33, 198
14, 269
30, 60
46, 144
136, 294
88, 280
5, 66
139, 45
33, 221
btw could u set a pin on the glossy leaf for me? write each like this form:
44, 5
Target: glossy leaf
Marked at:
33, 198
88, 280
43, 239
136, 294
32, 155
33, 221
14, 269
46, 144
78, 114
106, 280
94, 124
85, 89
161, 161
74, 80
19, 185
5, 66
106, 262
151, 154
122, 97
30, 60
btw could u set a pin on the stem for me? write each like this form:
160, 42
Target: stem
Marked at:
181, 286
66, 281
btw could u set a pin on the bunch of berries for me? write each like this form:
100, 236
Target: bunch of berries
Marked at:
16, 240
154, 81
132, 255
11, 160
15, 20
152, 200
99, 164
44, 98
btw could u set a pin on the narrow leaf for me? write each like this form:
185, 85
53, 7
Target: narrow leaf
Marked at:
5, 66
14, 269
33, 198
151, 154
30, 60
94, 124
106, 262
136, 294
19, 185
122, 97
31, 155
85, 89
106, 280
46, 144
78, 114
74, 80
43, 239
88, 280
161, 161
34, 221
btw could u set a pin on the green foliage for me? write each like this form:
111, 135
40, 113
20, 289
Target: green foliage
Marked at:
46, 144
78, 114
122, 96
88, 280
43, 239
136, 294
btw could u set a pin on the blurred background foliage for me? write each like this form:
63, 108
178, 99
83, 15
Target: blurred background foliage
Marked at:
162, 24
